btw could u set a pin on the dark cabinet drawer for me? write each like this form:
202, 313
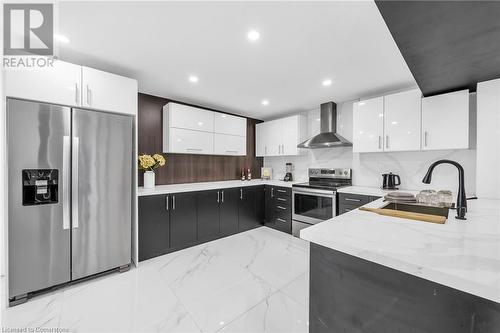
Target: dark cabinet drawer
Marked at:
281, 192
353, 199
345, 209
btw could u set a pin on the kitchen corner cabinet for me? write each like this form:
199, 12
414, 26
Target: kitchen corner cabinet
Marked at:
154, 226
74, 85
368, 125
280, 137
247, 214
445, 121
228, 211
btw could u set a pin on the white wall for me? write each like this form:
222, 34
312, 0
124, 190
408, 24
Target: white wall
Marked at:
368, 167
488, 139
3, 178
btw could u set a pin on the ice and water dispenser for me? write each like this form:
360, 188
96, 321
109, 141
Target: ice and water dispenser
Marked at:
40, 186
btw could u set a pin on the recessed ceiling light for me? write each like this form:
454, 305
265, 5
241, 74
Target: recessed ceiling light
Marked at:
61, 38
253, 35
265, 102
326, 82
193, 78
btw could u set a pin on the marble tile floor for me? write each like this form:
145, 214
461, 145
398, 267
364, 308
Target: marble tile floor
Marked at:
255, 281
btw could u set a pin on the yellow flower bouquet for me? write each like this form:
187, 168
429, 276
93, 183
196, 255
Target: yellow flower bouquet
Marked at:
150, 163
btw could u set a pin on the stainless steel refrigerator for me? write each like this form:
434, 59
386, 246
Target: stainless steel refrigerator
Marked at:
69, 192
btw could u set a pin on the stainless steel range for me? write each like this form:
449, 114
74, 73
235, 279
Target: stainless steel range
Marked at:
315, 201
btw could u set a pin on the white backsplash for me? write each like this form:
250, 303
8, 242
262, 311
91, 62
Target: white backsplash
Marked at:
368, 167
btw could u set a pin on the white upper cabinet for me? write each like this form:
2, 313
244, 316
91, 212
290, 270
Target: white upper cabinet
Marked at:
186, 141
225, 144
231, 125
402, 113
109, 92
280, 137
60, 84
368, 125
189, 117
74, 85
445, 121
192, 130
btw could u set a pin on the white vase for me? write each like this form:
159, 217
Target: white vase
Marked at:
149, 179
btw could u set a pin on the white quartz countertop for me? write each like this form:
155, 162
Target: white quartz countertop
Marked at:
203, 186
464, 255
374, 191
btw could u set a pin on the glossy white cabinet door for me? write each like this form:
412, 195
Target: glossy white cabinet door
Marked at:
290, 130
108, 92
228, 124
188, 117
260, 143
60, 84
189, 142
230, 145
368, 125
273, 137
402, 112
445, 121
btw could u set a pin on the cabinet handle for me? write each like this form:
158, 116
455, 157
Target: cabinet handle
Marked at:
222, 196
426, 135
166, 202
282, 149
281, 191
231, 151
281, 199
281, 220
77, 97
272, 192
241, 193
279, 149
194, 149
349, 199
281, 207
218, 196
88, 95
379, 142
173, 202
387, 141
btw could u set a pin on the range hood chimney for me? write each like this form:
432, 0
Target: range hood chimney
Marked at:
328, 137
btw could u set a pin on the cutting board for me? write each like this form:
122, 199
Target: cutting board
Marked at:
406, 215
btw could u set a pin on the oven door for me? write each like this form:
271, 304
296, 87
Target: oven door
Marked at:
312, 205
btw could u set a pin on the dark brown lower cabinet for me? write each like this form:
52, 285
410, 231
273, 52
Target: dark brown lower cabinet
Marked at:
228, 210
183, 220
208, 214
154, 226
349, 294
175, 221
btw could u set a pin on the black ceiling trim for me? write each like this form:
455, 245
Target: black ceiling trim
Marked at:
448, 45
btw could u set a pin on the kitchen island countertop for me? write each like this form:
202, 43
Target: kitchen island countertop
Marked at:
464, 255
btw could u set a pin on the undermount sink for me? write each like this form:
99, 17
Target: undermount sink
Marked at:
415, 208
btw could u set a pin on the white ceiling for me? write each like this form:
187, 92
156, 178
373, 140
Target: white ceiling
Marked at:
162, 43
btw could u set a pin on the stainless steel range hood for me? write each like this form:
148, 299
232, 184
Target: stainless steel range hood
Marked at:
328, 138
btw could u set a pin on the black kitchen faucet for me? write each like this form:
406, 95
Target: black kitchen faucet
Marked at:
461, 199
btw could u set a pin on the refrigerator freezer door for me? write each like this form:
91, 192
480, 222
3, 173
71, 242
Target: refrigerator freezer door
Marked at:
39, 243
102, 188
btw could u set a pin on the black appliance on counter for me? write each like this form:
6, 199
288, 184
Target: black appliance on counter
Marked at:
390, 181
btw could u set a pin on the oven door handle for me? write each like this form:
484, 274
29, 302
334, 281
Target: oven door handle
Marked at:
315, 192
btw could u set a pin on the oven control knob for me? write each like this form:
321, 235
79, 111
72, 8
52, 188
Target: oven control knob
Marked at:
345, 172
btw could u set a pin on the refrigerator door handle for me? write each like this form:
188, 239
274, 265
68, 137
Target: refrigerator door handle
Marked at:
74, 182
66, 180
